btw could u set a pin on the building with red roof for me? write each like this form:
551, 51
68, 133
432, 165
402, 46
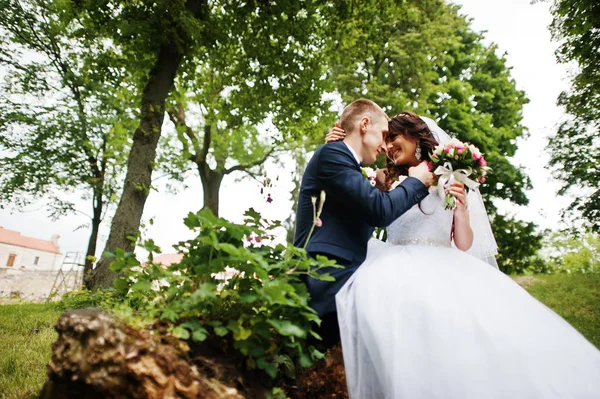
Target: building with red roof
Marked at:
22, 252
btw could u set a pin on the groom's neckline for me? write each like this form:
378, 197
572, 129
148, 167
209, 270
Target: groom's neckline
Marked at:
354, 154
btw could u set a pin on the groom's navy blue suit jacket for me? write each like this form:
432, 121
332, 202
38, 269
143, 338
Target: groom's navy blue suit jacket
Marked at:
352, 209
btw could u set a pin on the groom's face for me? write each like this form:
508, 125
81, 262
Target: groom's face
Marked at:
373, 143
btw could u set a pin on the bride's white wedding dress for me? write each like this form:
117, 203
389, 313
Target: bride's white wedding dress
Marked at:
421, 319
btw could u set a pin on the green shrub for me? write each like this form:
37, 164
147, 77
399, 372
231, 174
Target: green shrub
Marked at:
261, 309
84, 298
573, 254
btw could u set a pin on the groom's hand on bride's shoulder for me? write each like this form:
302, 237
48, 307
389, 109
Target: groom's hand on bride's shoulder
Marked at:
422, 172
336, 133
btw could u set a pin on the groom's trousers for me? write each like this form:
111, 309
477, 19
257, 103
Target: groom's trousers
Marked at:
322, 298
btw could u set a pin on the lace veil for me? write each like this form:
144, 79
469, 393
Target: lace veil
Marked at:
484, 244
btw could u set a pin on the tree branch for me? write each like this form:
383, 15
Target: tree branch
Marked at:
245, 167
177, 116
206, 143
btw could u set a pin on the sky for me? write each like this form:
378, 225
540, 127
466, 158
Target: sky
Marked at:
518, 28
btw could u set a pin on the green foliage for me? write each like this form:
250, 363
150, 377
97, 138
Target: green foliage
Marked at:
63, 100
575, 149
575, 26
229, 286
573, 254
84, 298
65, 112
268, 70
575, 154
518, 246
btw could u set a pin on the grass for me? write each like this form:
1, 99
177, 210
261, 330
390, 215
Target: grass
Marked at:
26, 330
575, 297
26, 335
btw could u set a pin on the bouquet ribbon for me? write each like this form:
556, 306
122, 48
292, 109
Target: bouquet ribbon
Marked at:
445, 174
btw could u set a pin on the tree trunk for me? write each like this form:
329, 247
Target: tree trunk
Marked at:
126, 222
96, 220
97, 356
290, 222
211, 184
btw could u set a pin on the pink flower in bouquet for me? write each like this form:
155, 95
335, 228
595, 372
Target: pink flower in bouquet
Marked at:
451, 160
430, 165
319, 222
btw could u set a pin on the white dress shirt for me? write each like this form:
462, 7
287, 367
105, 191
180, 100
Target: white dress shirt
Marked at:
353, 152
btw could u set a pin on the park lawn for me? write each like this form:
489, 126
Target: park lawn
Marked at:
26, 335
26, 330
575, 297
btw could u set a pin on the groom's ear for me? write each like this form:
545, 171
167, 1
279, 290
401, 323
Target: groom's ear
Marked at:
364, 123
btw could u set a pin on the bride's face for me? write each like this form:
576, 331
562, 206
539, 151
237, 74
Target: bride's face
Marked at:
401, 150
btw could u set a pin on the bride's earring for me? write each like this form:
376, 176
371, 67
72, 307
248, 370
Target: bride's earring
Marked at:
418, 153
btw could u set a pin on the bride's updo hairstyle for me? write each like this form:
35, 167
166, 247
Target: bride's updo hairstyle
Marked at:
410, 126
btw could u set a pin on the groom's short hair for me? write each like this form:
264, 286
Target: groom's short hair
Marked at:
358, 109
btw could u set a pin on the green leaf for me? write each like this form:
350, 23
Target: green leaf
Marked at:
121, 284
169, 314
287, 328
221, 331
193, 324
248, 297
181, 333
271, 370
275, 291
141, 286
305, 361
243, 334
205, 290
116, 266
200, 334
228, 248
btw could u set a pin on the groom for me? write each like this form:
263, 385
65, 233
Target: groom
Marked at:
353, 207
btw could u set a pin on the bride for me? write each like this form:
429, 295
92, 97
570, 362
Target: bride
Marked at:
422, 318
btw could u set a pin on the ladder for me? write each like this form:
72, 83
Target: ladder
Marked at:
70, 274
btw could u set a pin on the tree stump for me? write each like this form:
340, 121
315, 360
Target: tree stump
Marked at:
97, 356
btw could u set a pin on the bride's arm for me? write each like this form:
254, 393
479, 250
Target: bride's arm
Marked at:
380, 176
462, 232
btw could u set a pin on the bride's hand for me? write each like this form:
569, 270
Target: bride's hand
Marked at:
335, 134
457, 189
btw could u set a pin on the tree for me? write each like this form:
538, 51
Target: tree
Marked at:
518, 245
574, 254
154, 38
268, 72
62, 124
169, 35
575, 149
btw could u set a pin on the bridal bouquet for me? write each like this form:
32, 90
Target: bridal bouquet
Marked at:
458, 161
